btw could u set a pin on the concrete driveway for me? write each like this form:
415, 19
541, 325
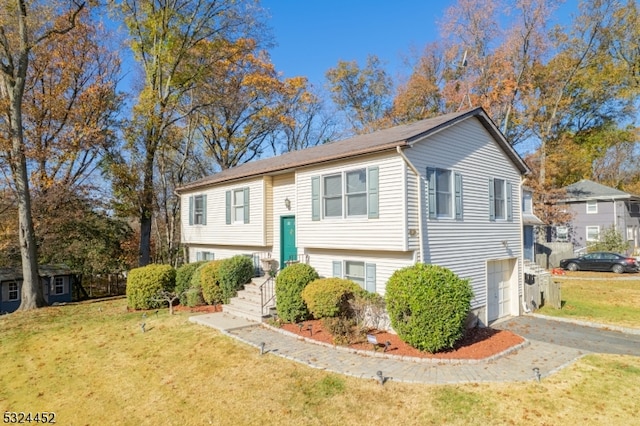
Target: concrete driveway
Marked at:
574, 335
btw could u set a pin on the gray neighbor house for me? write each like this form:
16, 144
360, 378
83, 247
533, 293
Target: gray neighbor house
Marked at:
597, 207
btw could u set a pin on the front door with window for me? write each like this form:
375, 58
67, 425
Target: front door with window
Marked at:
288, 250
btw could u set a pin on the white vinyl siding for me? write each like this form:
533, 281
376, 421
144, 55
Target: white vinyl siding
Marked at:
466, 246
382, 228
220, 229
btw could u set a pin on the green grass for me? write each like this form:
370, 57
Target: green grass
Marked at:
615, 302
92, 365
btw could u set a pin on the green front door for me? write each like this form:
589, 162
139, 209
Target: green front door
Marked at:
288, 249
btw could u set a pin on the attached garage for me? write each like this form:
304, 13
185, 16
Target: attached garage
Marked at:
502, 288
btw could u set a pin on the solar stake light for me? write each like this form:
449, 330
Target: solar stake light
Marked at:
261, 348
386, 345
380, 377
536, 373
300, 327
142, 327
310, 328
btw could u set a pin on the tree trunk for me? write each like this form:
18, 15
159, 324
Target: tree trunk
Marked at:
146, 208
32, 295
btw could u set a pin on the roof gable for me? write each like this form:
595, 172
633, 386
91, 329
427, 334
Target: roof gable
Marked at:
589, 190
402, 136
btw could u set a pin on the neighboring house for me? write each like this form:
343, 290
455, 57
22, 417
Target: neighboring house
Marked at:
445, 190
57, 285
529, 222
596, 207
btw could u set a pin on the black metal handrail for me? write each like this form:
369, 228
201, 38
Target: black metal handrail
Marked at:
267, 294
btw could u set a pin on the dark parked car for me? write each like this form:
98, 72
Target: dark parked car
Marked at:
601, 261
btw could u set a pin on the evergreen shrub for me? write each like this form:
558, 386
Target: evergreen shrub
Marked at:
289, 285
428, 306
233, 273
144, 283
183, 279
329, 297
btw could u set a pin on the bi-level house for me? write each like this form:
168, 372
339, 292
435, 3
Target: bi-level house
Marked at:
445, 190
596, 207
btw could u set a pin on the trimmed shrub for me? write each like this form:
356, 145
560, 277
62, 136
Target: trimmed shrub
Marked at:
144, 283
428, 306
289, 285
329, 297
194, 294
210, 282
183, 279
233, 273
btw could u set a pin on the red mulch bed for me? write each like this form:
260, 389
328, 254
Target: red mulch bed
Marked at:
477, 343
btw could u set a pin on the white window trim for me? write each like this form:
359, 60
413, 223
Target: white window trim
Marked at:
237, 207
450, 192
500, 196
198, 213
587, 233
58, 284
562, 230
592, 206
362, 281
16, 290
344, 195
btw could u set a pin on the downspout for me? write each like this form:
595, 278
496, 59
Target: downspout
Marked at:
420, 198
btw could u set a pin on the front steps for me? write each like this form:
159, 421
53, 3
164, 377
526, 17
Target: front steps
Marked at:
247, 304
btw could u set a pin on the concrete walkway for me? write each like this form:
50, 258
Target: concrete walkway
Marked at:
513, 366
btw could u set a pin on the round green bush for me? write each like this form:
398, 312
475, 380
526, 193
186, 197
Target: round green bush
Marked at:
233, 273
289, 285
210, 282
428, 306
144, 283
329, 297
183, 279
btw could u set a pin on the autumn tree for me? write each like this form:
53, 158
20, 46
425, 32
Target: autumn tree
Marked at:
167, 40
362, 93
244, 102
23, 26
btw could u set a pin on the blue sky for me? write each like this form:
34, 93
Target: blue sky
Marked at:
312, 36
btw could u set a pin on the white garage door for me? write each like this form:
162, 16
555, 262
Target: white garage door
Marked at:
499, 275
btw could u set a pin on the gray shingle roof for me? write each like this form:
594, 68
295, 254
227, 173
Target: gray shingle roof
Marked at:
590, 190
388, 139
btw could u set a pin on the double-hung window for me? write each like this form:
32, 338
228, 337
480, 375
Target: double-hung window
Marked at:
356, 192
500, 204
499, 199
593, 233
58, 285
444, 194
332, 195
562, 233
592, 206
352, 193
198, 210
13, 290
362, 273
237, 206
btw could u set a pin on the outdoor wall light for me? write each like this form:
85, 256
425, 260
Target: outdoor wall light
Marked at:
287, 203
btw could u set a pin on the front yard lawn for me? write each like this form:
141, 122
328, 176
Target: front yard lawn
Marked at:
599, 297
92, 364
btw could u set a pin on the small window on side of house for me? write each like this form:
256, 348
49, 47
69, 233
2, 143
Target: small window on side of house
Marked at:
592, 206
13, 291
562, 233
58, 285
593, 233
355, 271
